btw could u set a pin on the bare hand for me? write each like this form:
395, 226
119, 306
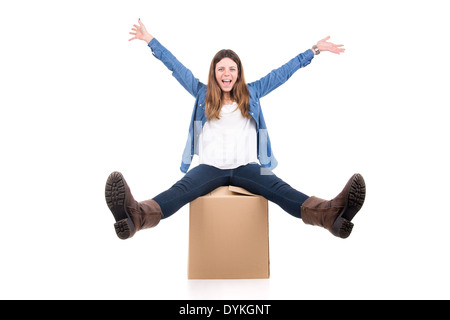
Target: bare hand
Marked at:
140, 32
323, 45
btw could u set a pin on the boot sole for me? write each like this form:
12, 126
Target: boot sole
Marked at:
115, 195
356, 194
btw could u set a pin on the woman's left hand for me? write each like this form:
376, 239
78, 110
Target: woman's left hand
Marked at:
324, 45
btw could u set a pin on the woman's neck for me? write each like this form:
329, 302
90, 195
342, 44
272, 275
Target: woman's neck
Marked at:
226, 98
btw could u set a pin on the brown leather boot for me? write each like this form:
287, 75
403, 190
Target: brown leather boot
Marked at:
131, 216
336, 214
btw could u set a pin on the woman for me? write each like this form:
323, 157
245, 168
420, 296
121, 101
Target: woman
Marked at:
229, 134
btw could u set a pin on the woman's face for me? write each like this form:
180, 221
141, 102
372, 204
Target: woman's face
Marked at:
226, 74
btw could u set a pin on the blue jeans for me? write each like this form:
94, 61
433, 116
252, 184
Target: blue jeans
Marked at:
203, 179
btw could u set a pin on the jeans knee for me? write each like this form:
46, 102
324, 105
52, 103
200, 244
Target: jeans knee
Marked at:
184, 185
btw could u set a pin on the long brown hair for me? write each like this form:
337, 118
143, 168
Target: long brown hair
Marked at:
239, 93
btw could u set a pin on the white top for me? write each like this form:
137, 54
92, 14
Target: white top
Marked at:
229, 142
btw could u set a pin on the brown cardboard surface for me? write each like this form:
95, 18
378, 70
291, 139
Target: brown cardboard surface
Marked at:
228, 235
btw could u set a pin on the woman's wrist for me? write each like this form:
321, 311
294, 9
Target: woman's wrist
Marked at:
148, 37
315, 50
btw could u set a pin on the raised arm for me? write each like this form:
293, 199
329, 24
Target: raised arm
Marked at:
183, 75
279, 76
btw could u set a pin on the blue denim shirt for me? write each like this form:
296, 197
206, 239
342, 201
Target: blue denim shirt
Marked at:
258, 89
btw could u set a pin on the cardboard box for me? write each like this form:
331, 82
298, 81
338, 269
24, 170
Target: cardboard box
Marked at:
228, 235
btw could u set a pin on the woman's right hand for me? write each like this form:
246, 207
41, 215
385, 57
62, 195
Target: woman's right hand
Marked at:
140, 33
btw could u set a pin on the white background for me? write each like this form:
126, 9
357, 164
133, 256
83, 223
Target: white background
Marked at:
79, 101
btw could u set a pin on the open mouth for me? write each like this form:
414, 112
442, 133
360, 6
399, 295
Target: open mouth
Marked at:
226, 83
